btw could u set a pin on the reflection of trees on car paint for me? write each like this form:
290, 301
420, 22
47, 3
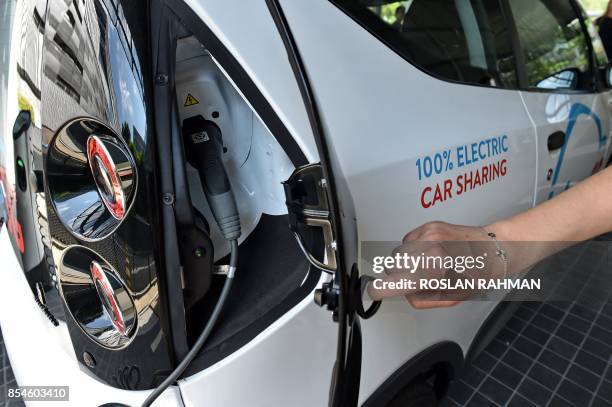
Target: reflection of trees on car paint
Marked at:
553, 56
594, 6
134, 140
550, 45
387, 11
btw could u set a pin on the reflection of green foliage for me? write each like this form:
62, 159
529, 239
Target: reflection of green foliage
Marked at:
387, 11
24, 104
138, 155
127, 136
600, 52
567, 49
594, 5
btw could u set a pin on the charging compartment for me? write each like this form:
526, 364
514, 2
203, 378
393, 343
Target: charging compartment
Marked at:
255, 163
273, 274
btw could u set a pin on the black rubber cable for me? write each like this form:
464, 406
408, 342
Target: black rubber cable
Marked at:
205, 333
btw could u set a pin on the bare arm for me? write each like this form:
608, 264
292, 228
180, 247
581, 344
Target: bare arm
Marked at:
577, 214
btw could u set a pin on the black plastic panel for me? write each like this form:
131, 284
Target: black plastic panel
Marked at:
92, 70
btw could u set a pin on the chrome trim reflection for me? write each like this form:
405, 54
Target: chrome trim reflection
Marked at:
113, 179
107, 296
97, 298
91, 178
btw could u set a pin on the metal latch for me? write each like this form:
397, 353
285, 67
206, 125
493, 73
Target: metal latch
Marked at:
308, 207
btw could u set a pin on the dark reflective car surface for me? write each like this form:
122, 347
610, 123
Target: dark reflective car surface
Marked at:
81, 202
93, 83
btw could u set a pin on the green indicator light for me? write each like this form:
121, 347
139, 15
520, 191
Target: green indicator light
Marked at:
20, 162
199, 252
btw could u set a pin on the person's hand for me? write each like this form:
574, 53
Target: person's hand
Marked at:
441, 240
526, 238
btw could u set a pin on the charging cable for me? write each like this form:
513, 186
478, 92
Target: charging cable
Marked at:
204, 147
205, 333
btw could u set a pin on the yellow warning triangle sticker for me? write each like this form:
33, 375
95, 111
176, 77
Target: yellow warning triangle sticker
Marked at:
190, 100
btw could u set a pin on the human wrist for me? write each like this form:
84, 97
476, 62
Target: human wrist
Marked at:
503, 231
523, 251
510, 240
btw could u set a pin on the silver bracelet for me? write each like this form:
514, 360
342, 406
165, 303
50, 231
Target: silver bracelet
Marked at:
501, 253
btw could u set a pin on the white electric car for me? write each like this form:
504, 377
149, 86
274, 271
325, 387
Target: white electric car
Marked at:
153, 150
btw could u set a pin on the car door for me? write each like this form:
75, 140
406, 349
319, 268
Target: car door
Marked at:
420, 124
604, 90
560, 93
318, 198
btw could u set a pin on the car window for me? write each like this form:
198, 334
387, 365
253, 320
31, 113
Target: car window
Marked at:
601, 59
553, 43
599, 51
459, 40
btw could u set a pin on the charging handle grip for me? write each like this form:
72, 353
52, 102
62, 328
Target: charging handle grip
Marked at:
204, 150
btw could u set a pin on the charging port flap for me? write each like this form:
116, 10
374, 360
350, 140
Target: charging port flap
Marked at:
308, 208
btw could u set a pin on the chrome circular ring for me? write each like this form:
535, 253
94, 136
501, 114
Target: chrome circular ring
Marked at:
97, 298
91, 178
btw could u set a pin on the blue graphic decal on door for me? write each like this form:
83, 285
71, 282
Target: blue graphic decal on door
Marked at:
576, 111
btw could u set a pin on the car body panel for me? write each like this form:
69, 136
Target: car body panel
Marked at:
377, 365
376, 144
378, 148
583, 118
284, 356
